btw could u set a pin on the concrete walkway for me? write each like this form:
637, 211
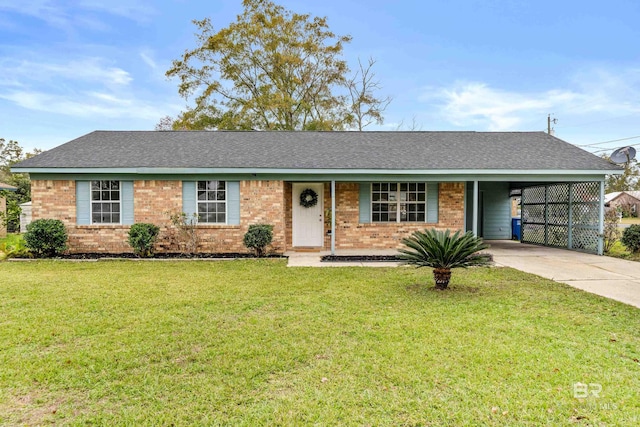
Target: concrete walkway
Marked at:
613, 278
606, 276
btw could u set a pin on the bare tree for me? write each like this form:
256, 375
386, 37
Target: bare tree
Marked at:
414, 126
365, 107
165, 123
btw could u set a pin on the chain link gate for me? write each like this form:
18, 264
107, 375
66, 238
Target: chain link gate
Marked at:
562, 215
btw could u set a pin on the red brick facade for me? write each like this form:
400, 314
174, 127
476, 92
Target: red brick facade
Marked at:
267, 202
351, 234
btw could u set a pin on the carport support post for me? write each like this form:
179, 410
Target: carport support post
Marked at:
474, 228
601, 222
333, 217
570, 218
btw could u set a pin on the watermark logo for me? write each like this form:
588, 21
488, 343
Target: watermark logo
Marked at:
583, 390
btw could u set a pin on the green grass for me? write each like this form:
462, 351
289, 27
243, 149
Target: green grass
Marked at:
11, 239
255, 343
630, 220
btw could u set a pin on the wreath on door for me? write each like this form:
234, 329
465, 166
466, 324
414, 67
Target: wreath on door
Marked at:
308, 198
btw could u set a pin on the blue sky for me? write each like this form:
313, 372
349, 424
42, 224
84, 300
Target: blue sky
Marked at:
70, 67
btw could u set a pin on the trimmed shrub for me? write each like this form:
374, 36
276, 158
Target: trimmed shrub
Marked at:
258, 237
46, 237
631, 238
142, 238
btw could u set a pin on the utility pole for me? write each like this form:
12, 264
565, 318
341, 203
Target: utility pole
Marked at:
550, 130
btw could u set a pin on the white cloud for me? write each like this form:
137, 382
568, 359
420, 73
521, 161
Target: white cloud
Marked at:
146, 56
84, 105
68, 15
46, 10
478, 104
93, 70
82, 88
139, 11
481, 106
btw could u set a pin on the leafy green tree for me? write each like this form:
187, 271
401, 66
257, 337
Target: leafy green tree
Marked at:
11, 153
273, 69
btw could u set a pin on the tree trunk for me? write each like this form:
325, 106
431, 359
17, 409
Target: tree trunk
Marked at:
442, 277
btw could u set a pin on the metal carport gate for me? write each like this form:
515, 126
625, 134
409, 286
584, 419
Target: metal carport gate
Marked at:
565, 215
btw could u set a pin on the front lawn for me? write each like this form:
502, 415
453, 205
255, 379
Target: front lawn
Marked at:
256, 343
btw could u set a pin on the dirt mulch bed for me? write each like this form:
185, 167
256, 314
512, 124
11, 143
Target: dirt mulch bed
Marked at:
360, 258
160, 256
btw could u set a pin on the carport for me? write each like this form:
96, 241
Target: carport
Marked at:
567, 212
564, 215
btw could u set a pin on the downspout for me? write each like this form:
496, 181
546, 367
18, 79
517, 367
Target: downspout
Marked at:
333, 217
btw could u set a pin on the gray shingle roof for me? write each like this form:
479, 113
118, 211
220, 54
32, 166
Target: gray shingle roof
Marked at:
319, 150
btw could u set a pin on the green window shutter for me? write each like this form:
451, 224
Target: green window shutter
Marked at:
189, 198
83, 202
432, 202
233, 202
365, 202
126, 190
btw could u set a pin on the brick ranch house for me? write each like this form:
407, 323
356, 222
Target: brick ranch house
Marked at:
372, 188
627, 202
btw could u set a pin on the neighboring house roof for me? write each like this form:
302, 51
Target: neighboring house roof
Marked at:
7, 187
634, 194
319, 150
609, 197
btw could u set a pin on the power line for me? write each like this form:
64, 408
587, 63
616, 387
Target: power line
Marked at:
607, 149
607, 142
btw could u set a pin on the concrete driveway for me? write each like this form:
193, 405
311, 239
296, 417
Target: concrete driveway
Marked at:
602, 275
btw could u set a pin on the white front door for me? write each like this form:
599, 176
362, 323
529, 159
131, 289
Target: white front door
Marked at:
308, 222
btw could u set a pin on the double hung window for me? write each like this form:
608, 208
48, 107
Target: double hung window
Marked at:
212, 202
398, 202
105, 202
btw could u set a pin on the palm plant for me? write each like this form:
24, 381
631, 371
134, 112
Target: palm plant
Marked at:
443, 251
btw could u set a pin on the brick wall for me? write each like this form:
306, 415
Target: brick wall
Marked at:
261, 202
350, 234
154, 201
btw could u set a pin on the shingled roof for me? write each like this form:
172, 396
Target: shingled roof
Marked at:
319, 150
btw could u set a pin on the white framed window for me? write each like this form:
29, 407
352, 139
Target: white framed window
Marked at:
398, 202
106, 202
212, 202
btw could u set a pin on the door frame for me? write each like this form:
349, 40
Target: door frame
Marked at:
319, 188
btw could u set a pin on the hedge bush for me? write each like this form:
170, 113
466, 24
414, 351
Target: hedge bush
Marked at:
142, 238
46, 237
258, 237
631, 238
